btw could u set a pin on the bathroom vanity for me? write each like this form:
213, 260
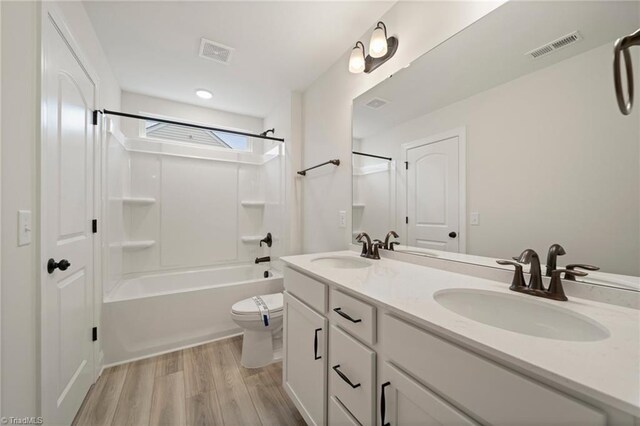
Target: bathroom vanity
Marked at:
390, 342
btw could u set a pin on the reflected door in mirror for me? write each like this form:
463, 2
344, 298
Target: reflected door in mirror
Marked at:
433, 194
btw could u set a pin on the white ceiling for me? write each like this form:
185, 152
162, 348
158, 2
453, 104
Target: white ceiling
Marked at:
489, 53
152, 46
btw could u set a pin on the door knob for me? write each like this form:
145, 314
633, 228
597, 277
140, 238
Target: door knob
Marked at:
62, 265
452, 234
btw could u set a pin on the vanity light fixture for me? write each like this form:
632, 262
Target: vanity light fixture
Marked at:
378, 43
357, 59
204, 94
381, 49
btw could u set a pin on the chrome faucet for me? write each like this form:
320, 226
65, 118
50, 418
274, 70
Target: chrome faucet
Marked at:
552, 258
387, 245
369, 249
529, 256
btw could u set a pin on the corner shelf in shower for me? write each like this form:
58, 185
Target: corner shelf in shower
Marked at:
256, 204
137, 245
358, 205
138, 201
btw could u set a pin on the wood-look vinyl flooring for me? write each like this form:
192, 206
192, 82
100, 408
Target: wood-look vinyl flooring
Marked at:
203, 385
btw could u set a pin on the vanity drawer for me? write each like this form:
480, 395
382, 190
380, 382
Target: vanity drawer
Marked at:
310, 291
339, 415
351, 361
353, 315
487, 391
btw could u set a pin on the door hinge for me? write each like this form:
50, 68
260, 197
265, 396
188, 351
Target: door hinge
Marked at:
94, 334
406, 219
406, 165
94, 226
95, 117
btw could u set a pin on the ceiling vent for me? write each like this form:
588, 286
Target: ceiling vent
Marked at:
557, 44
376, 103
215, 51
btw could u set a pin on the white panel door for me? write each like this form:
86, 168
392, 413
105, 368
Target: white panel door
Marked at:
305, 360
67, 212
433, 195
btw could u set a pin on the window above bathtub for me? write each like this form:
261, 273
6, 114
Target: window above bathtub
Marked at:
173, 132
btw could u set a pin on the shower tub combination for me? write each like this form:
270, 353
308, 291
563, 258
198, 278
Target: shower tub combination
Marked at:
160, 313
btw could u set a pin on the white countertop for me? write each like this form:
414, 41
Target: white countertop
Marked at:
607, 370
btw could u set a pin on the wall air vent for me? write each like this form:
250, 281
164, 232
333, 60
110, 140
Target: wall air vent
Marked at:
215, 51
557, 44
376, 103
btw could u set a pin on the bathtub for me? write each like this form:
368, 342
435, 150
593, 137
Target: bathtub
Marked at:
153, 314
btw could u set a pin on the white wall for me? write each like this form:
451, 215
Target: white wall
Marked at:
327, 102
549, 160
20, 180
141, 104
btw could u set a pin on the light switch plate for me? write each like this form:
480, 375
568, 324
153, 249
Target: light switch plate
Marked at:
475, 218
24, 227
342, 219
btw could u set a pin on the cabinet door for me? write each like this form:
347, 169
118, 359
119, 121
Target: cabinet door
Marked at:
403, 401
305, 359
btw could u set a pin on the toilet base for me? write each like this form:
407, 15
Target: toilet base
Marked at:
257, 349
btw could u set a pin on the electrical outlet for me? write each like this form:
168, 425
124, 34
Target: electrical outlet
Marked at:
342, 219
475, 218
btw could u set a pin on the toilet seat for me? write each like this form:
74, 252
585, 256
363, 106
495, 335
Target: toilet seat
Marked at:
248, 307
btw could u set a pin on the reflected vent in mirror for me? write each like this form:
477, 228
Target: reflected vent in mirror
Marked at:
215, 51
376, 103
557, 44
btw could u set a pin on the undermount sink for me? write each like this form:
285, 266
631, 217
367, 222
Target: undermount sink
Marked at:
521, 314
342, 262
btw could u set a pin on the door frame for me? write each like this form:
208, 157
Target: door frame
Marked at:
403, 202
51, 12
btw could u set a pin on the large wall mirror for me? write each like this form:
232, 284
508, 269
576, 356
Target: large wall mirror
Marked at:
506, 137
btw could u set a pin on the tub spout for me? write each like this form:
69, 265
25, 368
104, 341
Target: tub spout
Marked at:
263, 259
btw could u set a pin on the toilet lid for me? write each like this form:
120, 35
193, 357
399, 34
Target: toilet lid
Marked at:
248, 306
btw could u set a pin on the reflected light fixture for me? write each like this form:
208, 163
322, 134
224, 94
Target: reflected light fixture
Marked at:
381, 49
204, 94
356, 61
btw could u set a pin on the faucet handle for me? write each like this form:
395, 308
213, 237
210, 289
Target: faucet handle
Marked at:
518, 275
365, 243
571, 274
393, 243
555, 290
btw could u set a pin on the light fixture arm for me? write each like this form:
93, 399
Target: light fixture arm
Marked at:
361, 45
384, 27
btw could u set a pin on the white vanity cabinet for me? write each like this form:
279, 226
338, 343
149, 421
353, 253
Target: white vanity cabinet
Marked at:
378, 368
404, 401
305, 360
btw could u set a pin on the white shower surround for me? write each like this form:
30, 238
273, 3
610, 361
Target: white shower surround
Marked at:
153, 314
202, 211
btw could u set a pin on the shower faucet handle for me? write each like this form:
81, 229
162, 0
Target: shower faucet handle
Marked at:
268, 240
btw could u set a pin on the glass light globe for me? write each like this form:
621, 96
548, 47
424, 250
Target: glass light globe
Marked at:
356, 61
378, 43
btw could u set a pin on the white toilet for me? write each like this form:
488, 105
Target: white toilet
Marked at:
261, 319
